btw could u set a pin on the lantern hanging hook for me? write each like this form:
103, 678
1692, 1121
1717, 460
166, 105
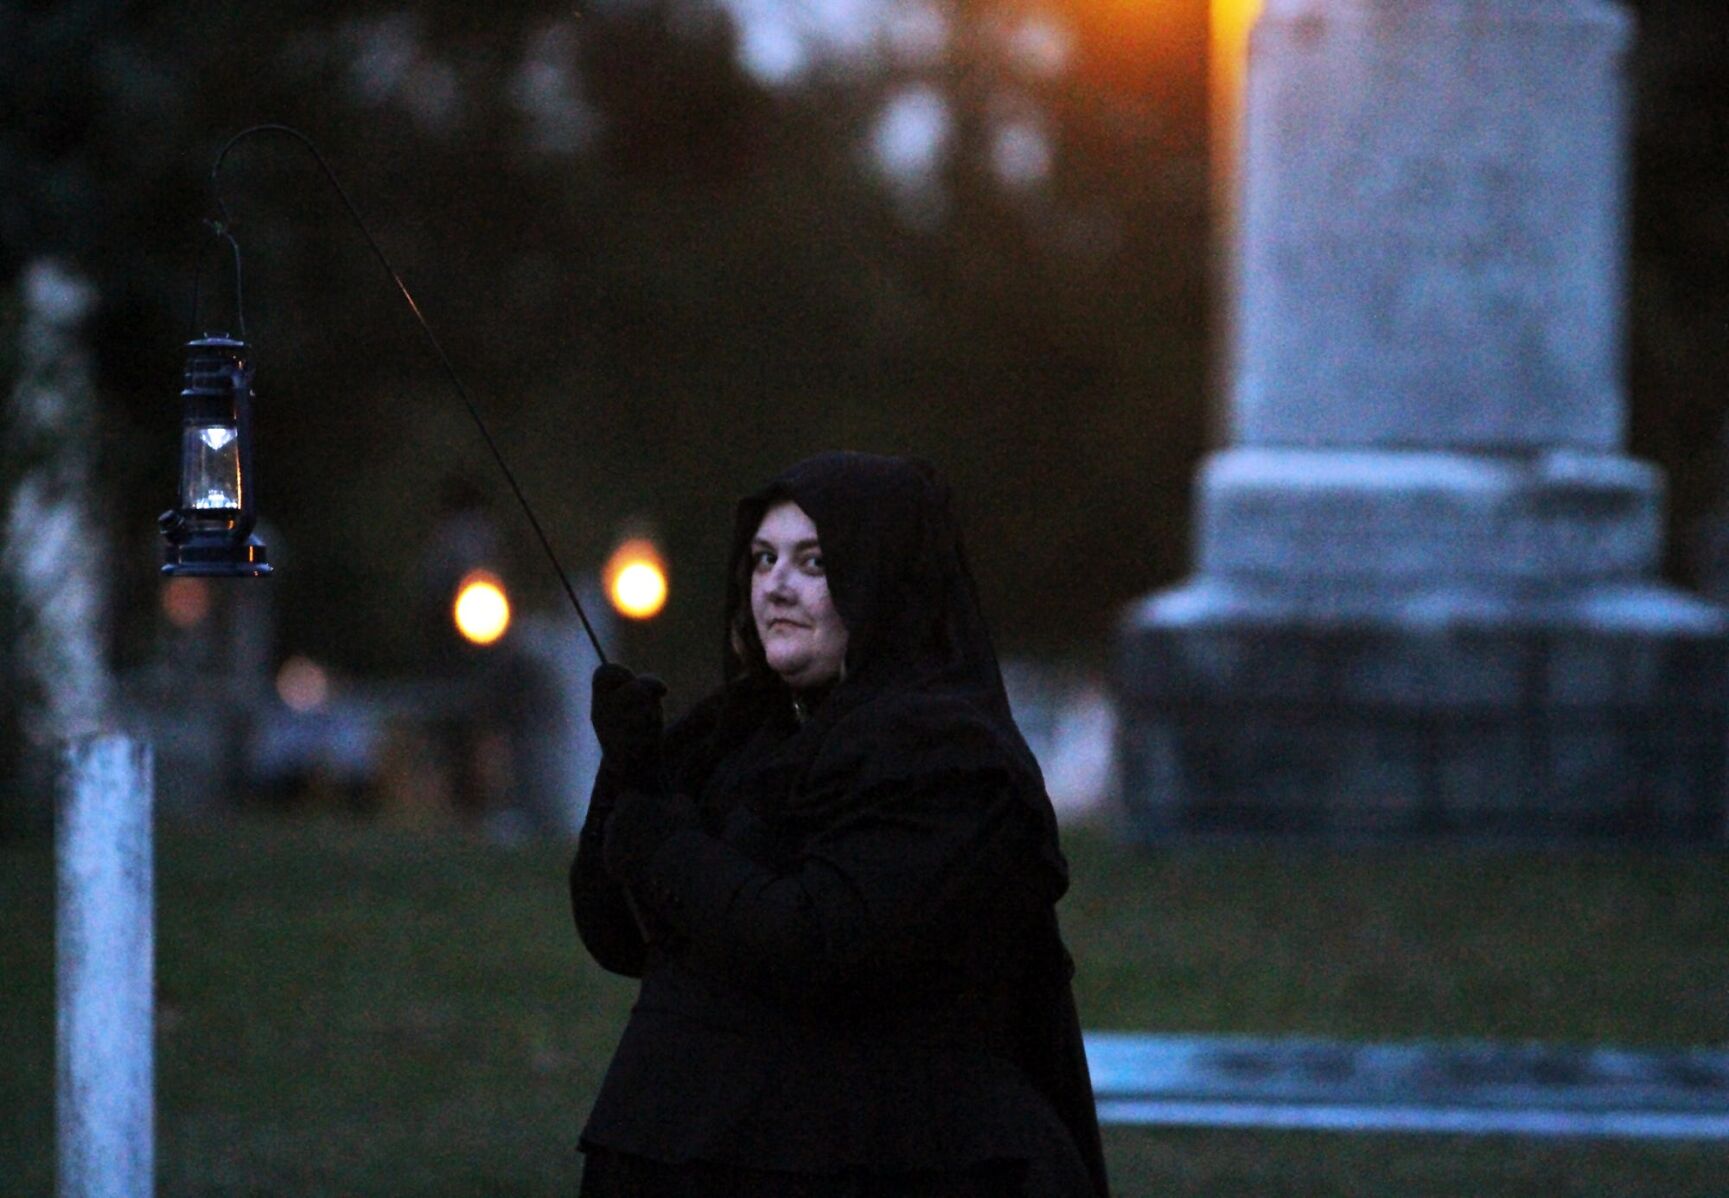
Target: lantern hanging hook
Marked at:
221, 231
222, 226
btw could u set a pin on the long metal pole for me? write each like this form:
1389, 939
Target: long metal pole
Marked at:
222, 229
105, 970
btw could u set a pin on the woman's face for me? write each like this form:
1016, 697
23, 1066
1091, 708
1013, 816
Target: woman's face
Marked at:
802, 634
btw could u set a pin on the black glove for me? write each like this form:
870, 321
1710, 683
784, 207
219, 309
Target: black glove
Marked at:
626, 713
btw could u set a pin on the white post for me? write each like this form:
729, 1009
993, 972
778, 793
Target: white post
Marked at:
105, 945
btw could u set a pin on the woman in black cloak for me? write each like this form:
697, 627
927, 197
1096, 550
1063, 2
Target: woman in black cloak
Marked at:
836, 878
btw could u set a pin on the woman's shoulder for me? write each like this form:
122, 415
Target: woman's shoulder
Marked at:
911, 733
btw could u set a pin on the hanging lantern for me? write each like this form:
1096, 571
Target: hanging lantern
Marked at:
209, 532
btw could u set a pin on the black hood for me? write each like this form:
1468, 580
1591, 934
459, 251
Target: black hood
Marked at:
923, 692
896, 571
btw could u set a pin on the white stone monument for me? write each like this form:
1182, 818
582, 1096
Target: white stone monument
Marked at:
1426, 594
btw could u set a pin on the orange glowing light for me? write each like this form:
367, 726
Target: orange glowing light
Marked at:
186, 601
482, 609
1231, 22
302, 684
635, 579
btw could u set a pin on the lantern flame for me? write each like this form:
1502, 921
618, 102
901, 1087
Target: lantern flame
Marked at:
635, 579
482, 609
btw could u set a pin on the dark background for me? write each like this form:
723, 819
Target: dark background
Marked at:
711, 283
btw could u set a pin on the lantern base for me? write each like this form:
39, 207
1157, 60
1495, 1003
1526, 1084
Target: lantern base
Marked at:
215, 556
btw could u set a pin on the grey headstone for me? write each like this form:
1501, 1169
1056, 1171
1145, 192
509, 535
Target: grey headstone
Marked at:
1426, 594
1432, 211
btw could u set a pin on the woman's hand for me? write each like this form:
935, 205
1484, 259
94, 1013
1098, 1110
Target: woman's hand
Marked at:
625, 710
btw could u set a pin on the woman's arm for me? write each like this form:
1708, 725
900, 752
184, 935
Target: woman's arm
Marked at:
604, 920
894, 884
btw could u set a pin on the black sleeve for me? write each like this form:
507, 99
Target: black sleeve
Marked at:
604, 919
893, 884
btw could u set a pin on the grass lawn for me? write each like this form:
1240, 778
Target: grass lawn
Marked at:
357, 1010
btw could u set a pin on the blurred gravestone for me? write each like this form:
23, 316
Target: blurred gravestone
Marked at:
1426, 593
555, 752
52, 547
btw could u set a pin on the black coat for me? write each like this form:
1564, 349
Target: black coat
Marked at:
851, 962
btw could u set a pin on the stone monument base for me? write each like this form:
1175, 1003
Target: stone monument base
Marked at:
1597, 710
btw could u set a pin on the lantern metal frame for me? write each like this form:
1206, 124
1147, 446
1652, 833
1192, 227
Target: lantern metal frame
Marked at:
204, 540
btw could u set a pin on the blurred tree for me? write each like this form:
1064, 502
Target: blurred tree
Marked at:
58, 682
1679, 314
1066, 340
665, 277
13, 694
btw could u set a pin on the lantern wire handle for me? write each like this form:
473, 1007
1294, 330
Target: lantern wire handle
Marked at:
221, 228
221, 231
